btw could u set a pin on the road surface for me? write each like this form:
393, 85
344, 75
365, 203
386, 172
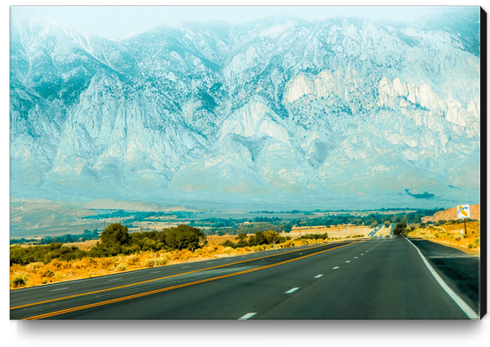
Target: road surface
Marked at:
373, 278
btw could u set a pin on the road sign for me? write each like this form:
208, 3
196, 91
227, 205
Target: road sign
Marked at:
463, 211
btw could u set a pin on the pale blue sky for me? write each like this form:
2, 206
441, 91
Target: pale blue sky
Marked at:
114, 21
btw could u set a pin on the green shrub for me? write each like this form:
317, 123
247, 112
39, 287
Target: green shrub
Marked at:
228, 244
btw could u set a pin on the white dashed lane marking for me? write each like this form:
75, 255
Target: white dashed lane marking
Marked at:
335, 268
292, 290
247, 316
318, 276
54, 290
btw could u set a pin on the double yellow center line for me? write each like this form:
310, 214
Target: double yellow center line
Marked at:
51, 314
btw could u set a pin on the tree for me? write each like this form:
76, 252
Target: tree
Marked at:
242, 240
387, 223
259, 238
184, 237
400, 228
115, 235
241, 237
271, 236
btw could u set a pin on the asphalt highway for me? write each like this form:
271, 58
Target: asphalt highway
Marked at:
372, 279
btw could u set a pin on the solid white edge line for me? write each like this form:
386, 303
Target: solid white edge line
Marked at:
462, 305
247, 316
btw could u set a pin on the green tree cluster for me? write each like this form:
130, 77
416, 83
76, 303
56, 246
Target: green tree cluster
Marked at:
259, 238
114, 240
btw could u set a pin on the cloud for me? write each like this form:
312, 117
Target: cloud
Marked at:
421, 196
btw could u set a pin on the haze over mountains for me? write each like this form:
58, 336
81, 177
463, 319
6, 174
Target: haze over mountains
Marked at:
281, 112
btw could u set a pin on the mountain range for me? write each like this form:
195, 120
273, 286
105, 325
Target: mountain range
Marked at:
278, 112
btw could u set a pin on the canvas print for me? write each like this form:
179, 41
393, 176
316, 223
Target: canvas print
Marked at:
242, 163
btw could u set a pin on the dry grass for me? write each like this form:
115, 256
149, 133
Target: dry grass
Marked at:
385, 230
214, 240
340, 231
85, 245
35, 274
450, 235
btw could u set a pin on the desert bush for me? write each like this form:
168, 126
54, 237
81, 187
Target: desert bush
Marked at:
457, 238
198, 251
48, 273
133, 259
105, 263
247, 249
56, 265
149, 263
19, 281
122, 267
164, 260
470, 245
304, 242
477, 241
227, 250
34, 267
77, 265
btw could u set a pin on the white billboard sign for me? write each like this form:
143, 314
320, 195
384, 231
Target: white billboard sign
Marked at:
463, 211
